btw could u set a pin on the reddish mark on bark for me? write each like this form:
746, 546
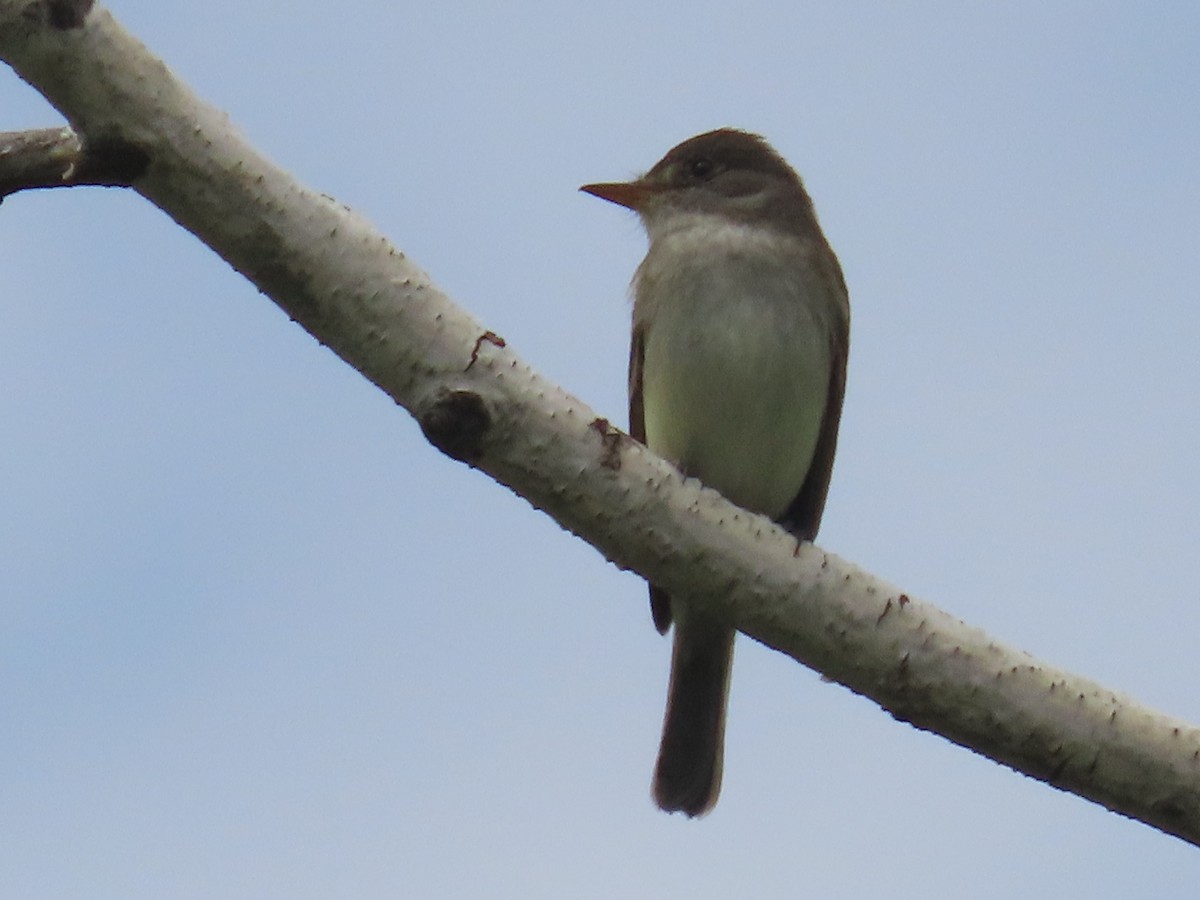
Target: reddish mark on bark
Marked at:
488, 336
610, 438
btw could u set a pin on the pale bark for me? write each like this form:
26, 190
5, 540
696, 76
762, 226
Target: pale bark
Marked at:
132, 122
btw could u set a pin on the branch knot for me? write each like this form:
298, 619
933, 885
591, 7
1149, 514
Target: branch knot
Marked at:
457, 423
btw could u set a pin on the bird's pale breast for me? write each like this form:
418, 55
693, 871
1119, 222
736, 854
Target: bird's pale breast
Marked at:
737, 355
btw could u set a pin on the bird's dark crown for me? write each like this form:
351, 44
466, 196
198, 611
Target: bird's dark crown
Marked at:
701, 158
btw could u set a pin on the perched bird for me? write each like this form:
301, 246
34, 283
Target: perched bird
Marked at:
737, 368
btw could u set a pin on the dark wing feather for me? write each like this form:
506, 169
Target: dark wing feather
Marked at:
660, 603
803, 517
637, 352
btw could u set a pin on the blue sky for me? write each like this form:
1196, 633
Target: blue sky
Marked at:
260, 640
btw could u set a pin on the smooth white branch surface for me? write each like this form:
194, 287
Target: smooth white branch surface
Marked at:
344, 283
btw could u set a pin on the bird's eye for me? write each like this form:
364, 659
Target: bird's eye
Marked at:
701, 168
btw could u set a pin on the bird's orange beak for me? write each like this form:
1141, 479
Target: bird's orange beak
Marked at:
630, 194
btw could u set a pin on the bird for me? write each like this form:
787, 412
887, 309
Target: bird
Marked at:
737, 373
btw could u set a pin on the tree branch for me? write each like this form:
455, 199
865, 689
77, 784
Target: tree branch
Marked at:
477, 401
55, 157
